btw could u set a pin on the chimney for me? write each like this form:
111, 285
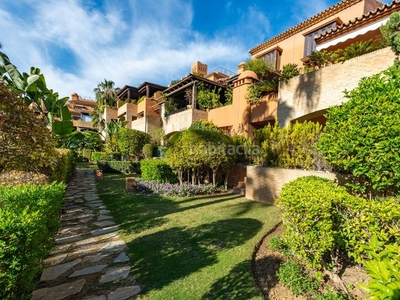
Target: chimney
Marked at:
199, 68
241, 67
74, 96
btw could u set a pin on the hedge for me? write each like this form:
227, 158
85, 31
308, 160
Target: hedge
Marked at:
65, 168
28, 222
109, 156
157, 170
322, 219
126, 167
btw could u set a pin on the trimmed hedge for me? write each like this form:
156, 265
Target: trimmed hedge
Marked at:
65, 168
322, 219
28, 222
157, 170
126, 167
109, 156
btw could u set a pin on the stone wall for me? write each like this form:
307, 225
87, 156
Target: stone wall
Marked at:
314, 92
264, 184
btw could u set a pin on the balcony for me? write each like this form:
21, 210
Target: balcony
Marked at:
146, 123
182, 120
82, 125
308, 96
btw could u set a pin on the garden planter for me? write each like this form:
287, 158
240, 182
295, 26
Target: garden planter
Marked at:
130, 184
99, 175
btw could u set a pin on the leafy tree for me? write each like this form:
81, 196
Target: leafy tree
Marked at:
289, 71
393, 25
362, 136
193, 149
205, 125
25, 142
131, 142
111, 130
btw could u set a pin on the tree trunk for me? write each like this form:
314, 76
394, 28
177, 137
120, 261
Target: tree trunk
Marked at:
214, 176
193, 176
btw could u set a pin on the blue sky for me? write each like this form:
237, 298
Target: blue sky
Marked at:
79, 43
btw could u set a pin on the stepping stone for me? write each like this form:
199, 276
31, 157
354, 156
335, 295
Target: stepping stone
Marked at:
89, 270
60, 291
102, 297
74, 217
85, 220
121, 258
68, 239
55, 260
104, 230
124, 293
91, 197
96, 239
114, 246
104, 217
104, 211
95, 258
79, 201
115, 274
104, 223
60, 249
94, 204
54, 272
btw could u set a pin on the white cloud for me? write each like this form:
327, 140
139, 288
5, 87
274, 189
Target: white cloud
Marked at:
129, 44
303, 9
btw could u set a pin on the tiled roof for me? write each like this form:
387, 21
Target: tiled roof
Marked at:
305, 24
375, 15
84, 102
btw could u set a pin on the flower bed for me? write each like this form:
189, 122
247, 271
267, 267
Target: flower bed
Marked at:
175, 190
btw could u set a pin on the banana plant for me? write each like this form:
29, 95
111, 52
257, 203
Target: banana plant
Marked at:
33, 89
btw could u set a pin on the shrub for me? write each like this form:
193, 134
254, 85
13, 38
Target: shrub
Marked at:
157, 170
65, 167
384, 271
130, 142
25, 142
87, 153
307, 217
126, 167
109, 156
148, 151
291, 275
28, 221
289, 71
361, 136
14, 178
322, 219
290, 147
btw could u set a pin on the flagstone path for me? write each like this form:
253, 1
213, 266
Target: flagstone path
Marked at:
89, 260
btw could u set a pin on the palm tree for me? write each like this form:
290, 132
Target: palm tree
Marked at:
106, 96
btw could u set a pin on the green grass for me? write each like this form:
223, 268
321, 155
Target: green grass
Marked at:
84, 164
189, 248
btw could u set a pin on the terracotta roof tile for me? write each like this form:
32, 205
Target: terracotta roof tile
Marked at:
377, 14
305, 24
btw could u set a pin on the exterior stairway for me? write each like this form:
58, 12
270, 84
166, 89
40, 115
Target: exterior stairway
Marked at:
240, 188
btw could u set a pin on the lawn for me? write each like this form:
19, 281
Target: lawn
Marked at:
189, 248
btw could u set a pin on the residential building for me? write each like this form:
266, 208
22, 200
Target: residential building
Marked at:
304, 97
80, 110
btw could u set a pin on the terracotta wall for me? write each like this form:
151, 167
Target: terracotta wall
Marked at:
264, 184
318, 90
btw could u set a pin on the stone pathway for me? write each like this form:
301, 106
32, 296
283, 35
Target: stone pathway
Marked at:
88, 261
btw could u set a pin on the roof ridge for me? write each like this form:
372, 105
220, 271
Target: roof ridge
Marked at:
372, 13
310, 21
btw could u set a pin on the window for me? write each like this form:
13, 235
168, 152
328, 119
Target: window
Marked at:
273, 58
310, 45
86, 118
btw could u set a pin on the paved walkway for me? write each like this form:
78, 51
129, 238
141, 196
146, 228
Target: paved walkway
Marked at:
89, 261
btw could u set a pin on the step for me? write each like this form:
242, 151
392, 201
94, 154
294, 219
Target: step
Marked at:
241, 184
237, 190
